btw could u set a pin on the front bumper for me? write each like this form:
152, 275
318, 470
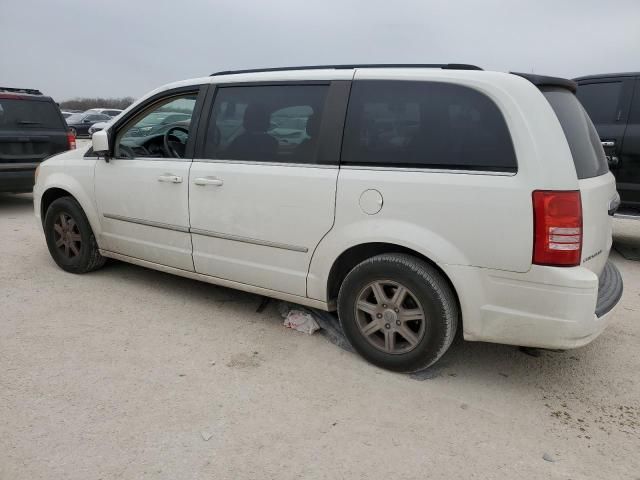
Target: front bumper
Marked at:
547, 307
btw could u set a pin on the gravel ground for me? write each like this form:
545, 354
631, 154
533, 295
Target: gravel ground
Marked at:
134, 374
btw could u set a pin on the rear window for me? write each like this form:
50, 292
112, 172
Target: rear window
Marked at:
587, 152
425, 125
18, 114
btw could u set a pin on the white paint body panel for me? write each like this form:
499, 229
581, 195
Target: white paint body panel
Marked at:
131, 190
289, 206
477, 228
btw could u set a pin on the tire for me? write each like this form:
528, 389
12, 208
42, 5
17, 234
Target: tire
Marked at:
71, 243
391, 333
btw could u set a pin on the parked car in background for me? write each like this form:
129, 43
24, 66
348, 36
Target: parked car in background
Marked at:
413, 200
31, 129
96, 127
66, 113
112, 112
613, 103
79, 123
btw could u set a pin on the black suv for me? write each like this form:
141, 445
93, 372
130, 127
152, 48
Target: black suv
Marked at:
31, 129
613, 103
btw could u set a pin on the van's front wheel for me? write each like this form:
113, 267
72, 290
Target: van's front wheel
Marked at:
70, 240
398, 312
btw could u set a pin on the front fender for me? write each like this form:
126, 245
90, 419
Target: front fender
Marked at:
340, 239
74, 176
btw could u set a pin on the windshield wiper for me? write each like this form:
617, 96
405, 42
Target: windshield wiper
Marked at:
28, 122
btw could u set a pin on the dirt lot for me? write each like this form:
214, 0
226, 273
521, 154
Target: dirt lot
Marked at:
130, 373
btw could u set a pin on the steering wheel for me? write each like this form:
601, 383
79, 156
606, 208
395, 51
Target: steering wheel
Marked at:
169, 149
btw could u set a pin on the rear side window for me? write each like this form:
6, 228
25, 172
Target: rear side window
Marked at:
600, 100
17, 114
425, 125
587, 152
279, 123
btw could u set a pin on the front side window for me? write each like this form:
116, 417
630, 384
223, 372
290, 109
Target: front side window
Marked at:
425, 125
600, 100
161, 131
266, 123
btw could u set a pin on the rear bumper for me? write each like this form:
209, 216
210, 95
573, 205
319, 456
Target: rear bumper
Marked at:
17, 180
547, 307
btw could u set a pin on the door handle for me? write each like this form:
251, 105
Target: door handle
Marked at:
170, 179
608, 143
202, 181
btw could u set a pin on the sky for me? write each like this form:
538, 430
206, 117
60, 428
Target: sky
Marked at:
116, 48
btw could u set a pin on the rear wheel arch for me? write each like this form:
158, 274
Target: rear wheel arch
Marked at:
351, 257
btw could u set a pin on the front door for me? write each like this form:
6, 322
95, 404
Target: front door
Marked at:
143, 192
262, 194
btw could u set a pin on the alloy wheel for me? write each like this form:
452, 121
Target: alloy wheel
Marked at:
66, 235
390, 316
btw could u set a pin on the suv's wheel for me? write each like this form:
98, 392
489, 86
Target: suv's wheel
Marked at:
70, 239
398, 312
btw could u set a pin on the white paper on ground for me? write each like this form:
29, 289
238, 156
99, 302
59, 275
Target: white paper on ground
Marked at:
301, 321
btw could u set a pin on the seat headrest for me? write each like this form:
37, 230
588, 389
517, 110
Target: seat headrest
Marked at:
256, 119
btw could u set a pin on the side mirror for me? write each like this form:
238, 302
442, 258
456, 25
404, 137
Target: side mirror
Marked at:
100, 143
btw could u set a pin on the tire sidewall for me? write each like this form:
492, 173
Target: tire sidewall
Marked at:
72, 208
431, 299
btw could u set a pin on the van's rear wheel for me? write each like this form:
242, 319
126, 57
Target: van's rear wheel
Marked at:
70, 240
398, 312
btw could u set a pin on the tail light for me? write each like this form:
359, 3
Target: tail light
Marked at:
71, 141
557, 228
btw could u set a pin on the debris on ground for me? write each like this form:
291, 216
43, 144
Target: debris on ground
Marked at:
301, 321
548, 458
206, 436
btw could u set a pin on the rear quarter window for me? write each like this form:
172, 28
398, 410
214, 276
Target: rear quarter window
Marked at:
425, 125
582, 137
20, 114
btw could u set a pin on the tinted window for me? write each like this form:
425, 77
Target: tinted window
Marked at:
266, 124
21, 114
425, 125
600, 100
587, 152
634, 114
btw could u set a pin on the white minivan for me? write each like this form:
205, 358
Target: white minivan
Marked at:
413, 199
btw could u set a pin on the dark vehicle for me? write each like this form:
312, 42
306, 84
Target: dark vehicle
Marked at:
79, 123
31, 129
613, 103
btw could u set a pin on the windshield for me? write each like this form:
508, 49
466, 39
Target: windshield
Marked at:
587, 152
75, 118
19, 114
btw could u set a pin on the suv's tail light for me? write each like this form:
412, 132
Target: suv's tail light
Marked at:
557, 228
71, 141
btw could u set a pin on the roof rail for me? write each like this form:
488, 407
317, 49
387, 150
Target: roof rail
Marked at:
446, 66
29, 91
